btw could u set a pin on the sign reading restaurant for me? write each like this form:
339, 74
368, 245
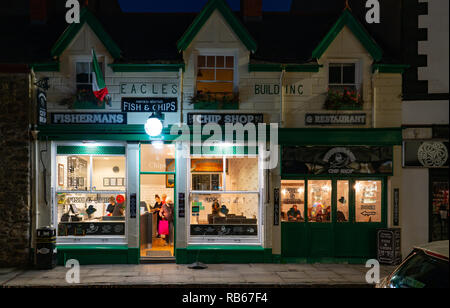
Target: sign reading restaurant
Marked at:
89, 118
335, 119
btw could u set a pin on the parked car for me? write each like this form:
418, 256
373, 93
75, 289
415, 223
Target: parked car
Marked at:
425, 267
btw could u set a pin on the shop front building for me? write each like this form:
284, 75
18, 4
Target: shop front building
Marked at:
330, 118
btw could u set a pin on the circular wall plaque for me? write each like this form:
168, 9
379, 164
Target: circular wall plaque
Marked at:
432, 154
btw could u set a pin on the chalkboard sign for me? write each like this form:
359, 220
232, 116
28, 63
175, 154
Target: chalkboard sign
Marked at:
389, 250
181, 205
276, 206
133, 206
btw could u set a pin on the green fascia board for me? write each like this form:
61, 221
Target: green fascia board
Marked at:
238, 28
313, 68
90, 150
342, 136
225, 247
91, 247
389, 68
69, 34
46, 67
347, 19
286, 136
138, 68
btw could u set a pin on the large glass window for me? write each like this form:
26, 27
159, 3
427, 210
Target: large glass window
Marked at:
224, 196
342, 201
292, 201
90, 194
368, 201
319, 201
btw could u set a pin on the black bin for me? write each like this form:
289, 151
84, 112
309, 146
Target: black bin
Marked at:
46, 248
389, 249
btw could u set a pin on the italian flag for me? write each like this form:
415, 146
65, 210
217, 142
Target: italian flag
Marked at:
98, 83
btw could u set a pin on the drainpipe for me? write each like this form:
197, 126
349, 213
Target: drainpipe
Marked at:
180, 92
282, 118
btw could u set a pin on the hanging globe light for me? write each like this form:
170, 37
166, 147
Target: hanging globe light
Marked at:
154, 126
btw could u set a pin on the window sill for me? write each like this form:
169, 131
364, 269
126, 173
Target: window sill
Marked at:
216, 106
88, 105
344, 107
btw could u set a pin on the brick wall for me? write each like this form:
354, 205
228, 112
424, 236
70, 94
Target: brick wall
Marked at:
15, 110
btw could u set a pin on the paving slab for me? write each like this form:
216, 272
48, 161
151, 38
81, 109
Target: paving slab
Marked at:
181, 275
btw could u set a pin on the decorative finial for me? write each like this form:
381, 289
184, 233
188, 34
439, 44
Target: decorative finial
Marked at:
347, 6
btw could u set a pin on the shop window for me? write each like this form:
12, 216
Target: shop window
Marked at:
368, 201
90, 195
342, 201
439, 207
215, 76
157, 158
224, 197
319, 201
292, 201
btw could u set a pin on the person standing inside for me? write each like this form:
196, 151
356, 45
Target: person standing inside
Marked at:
156, 209
166, 214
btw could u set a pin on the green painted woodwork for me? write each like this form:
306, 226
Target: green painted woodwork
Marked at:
229, 17
104, 254
224, 254
71, 31
216, 106
286, 136
347, 19
228, 150
389, 68
278, 67
342, 136
46, 67
90, 150
138, 68
307, 242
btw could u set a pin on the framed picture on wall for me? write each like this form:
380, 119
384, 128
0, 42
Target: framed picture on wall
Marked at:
106, 182
60, 175
113, 181
170, 178
120, 182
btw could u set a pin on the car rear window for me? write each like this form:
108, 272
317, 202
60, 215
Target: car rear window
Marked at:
421, 271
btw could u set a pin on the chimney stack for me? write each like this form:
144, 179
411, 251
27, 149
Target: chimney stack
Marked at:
251, 10
38, 11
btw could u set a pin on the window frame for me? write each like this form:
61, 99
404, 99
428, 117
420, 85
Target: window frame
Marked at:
226, 240
218, 53
94, 239
342, 62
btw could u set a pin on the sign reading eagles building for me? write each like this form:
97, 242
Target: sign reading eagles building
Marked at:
337, 160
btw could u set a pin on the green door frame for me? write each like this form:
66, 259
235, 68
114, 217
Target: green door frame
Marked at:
334, 227
175, 199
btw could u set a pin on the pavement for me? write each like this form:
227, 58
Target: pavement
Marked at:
216, 275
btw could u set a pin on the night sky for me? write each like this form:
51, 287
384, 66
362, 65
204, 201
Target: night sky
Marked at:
192, 5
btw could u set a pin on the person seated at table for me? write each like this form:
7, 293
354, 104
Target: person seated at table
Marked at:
294, 214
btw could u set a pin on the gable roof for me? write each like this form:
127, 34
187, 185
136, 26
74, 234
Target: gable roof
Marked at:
347, 19
230, 18
69, 34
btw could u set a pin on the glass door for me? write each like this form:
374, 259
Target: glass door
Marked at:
157, 201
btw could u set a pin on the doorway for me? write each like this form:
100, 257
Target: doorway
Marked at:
157, 197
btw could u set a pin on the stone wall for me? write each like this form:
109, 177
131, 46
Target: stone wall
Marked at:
15, 110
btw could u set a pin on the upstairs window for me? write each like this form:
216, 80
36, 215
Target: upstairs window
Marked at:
215, 75
343, 76
84, 75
